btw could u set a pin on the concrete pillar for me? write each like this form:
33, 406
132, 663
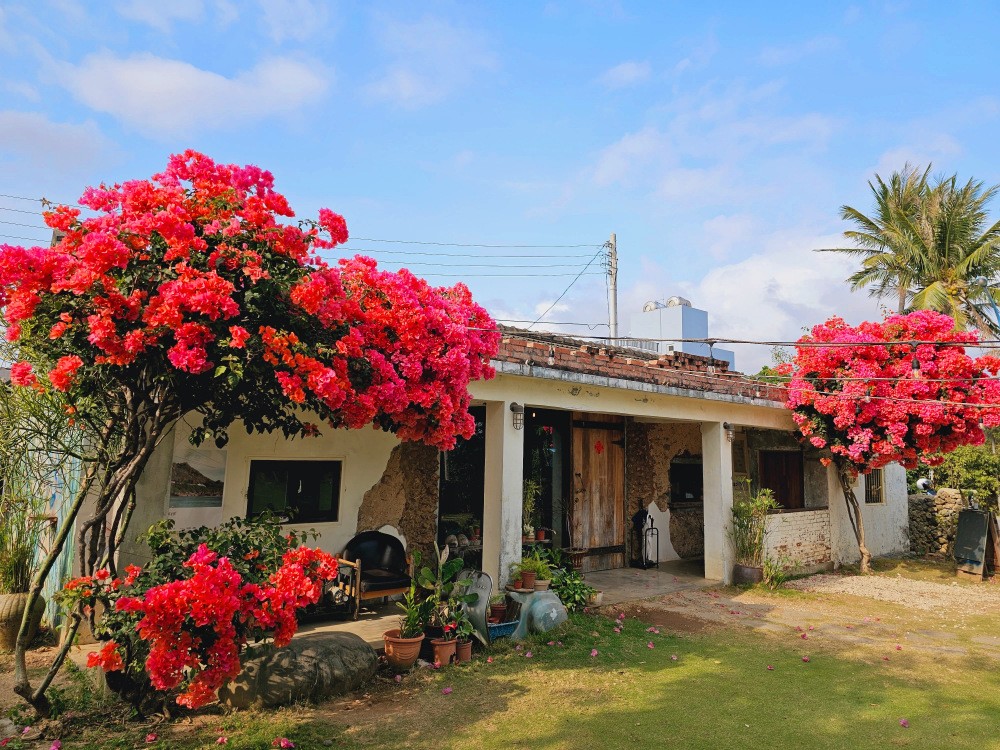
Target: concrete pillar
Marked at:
717, 463
504, 475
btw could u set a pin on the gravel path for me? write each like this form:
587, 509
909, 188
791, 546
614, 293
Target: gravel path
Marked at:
925, 595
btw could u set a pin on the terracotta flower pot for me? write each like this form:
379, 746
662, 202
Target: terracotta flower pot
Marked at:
11, 611
541, 585
499, 611
463, 652
444, 650
528, 579
540, 535
401, 653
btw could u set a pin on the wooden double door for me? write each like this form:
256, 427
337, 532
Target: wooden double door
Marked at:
598, 489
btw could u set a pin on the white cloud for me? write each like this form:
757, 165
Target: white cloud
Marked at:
789, 53
431, 59
770, 295
724, 233
163, 97
31, 143
625, 74
161, 15
634, 155
294, 19
22, 89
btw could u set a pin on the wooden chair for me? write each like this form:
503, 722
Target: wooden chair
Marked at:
373, 565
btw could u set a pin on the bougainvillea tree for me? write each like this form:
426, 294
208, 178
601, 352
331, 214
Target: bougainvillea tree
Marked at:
898, 391
187, 292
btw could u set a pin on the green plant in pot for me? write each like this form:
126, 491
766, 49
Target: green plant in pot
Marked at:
402, 644
572, 590
464, 631
748, 534
447, 593
531, 492
536, 566
20, 534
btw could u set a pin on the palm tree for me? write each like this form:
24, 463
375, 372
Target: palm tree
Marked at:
881, 240
932, 246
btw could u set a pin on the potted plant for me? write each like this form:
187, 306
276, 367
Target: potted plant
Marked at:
540, 568
464, 631
575, 554
402, 644
20, 533
445, 646
748, 534
531, 491
498, 607
446, 593
523, 569
572, 590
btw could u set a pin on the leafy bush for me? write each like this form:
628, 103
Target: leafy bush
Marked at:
750, 526
775, 572
534, 564
572, 590
178, 626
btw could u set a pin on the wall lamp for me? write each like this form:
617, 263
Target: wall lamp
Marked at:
518, 411
730, 431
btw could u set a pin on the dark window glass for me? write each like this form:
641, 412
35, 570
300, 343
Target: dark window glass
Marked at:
781, 472
301, 491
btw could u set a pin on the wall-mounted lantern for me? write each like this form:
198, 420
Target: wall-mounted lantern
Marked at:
730, 431
518, 411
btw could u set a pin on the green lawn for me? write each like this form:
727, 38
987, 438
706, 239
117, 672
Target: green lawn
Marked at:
718, 693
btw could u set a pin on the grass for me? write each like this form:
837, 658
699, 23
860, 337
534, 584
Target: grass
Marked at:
717, 693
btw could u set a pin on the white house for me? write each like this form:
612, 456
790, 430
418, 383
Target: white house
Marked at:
603, 431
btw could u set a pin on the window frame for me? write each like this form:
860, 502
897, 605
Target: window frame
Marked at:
869, 485
339, 485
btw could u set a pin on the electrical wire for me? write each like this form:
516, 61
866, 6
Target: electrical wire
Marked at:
419, 253
18, 237
472, 244
19, 224
582, 272
20, 211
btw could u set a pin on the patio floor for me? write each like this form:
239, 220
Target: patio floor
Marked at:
628, 584
369, 626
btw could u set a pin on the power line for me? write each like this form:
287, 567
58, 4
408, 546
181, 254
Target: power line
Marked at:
458, 255
19, 224
18, 237
582, 272
470, 244
20, 211
461, 276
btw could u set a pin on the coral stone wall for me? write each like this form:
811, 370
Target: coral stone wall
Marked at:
800, 539
933, 521
406, 497
650, 448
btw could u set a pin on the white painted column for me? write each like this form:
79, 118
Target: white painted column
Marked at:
504, 475
717, 463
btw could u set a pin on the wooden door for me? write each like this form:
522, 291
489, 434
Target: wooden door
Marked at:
599, 489
781, 472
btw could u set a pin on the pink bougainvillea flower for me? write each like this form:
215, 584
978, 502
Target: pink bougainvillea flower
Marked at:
805, 659
446, 691
398, 678
56, 745
805, 636
151, 738
528, 654
222, 741
650, 645
552, 643
282, 742
489, 659
436, 665
898, 647
673, 657
904, 723
885, 658
518, 647
621, 615
593, 652
770, 668
617, 630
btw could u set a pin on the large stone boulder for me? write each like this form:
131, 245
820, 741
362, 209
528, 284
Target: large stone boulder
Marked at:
310, 668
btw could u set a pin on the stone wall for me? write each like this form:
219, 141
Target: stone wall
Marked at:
933, 521
406, 497
800, 539
650, 448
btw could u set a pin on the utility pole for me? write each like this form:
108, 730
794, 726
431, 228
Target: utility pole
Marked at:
613, 287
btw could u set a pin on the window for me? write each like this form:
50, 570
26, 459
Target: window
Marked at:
301, 491
781, 472
874, 487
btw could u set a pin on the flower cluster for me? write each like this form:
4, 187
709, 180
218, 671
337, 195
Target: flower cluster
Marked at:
197, 626
874, 396
194, 273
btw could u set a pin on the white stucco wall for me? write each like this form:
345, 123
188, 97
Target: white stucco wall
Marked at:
364, 454
886, 524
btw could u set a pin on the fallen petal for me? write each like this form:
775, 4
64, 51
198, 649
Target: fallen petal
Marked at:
805, 658
904, 723
593, 652
650, 645
528, 654
446, 691
673, 657
770, 668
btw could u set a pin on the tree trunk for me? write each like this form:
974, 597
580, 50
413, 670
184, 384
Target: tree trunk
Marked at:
846, 477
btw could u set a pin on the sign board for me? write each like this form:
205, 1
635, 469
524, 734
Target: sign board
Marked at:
975, 540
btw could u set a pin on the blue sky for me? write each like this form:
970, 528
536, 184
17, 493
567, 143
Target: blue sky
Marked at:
717, 140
